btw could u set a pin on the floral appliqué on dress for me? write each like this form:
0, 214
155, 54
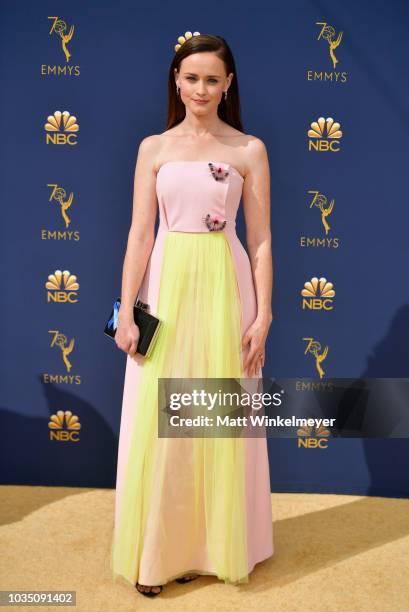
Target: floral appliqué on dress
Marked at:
219, 174
215, 223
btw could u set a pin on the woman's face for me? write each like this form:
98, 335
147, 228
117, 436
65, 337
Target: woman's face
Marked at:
202, 80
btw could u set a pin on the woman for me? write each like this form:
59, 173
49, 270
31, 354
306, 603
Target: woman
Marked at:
191, 506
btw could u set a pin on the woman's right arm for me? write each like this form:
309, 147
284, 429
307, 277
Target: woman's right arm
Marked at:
141, 239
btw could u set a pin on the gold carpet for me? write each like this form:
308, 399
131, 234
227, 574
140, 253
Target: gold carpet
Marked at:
332, 552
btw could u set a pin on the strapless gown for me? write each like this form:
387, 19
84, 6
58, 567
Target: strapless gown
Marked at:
191, 505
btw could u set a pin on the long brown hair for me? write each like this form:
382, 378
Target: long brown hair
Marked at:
228, 109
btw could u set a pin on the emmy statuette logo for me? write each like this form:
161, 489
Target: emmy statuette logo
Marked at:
315, 349
65, 348
321, 203
327, 33
62, 203
60, 341
63, 34
330, 41
59, 197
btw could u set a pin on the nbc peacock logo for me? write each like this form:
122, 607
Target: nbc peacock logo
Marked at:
64, 426
324, 135
313, 437
62, 287
318, 294
61, 129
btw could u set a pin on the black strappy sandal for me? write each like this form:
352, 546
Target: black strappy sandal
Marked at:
183, 579
149, 593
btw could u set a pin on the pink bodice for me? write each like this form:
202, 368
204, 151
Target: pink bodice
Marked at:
187, 191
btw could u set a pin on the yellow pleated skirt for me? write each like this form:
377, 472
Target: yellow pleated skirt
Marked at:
183, 503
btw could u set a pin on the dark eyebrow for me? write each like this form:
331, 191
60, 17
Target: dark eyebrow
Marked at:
209, 75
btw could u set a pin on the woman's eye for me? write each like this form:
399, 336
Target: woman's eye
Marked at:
193, 78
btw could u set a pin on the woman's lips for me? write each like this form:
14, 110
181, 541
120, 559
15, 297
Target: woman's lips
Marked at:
200, 101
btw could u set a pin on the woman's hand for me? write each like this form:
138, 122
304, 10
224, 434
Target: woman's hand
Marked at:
255, 339
127, 337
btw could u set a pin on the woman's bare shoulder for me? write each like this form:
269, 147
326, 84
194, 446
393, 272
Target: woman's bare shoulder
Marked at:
155, 142
150, 143
254, 142
249, 152
149, 150
248, 142
256, 155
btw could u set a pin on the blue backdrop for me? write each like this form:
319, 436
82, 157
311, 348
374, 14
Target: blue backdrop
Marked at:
67, 203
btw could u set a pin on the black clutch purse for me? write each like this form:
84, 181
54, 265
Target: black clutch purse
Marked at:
147, 323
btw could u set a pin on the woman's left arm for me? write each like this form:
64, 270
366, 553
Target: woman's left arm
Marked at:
256, 207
